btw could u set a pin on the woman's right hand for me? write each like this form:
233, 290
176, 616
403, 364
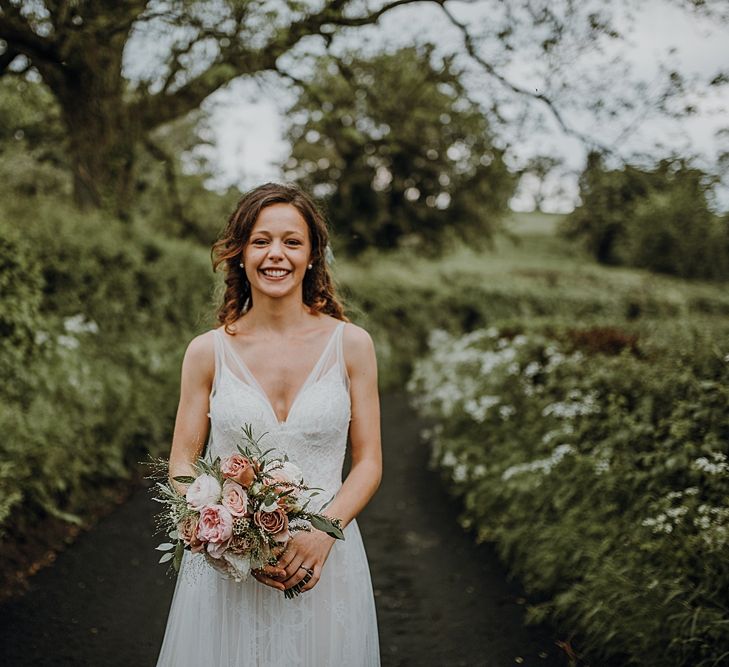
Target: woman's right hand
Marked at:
268, 574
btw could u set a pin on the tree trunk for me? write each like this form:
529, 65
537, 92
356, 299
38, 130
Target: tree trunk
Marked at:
102, 133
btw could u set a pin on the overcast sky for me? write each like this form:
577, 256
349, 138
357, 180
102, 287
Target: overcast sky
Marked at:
247, 121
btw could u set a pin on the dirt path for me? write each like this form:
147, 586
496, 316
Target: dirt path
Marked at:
441, 601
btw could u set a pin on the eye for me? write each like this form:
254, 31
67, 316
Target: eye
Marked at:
293, 242
259, 242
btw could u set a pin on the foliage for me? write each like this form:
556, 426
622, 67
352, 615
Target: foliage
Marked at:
33, 155
398, 152
119, 71
401, 297
597, 461
658, 219
78, 50
96, 324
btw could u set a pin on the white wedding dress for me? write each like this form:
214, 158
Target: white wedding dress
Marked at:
216, 622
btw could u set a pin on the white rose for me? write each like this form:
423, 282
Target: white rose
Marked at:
205, 490
239, 565
289, 472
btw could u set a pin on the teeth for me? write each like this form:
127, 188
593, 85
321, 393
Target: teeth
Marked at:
275, 273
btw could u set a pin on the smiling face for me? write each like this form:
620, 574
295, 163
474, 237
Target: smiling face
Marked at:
277, 252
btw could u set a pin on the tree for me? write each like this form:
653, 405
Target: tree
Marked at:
538, 170
397, 151
658, 219
77, 47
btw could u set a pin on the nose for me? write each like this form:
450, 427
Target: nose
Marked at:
275, 250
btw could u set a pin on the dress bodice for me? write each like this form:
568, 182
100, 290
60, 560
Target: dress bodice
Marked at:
314, 433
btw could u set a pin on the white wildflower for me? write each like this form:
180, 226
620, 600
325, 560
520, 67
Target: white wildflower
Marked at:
449, 460
78, 324
576, 405
544, 466
478, 408
460, 473
69, 342
506, 411
716, 465
532, 368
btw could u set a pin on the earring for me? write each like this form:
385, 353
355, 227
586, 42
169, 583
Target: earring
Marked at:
242, 266
310, 265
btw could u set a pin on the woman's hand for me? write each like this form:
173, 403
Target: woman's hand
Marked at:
305, 551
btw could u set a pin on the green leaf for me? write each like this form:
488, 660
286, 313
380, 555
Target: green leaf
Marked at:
165, 546
179, 551
184, 479
166, 557
326, 525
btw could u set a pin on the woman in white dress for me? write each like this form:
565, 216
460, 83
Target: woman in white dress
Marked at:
287, 361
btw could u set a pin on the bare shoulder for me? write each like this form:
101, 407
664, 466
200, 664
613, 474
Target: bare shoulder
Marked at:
357, 346
200, 356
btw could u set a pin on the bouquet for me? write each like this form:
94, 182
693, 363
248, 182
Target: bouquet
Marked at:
239, 511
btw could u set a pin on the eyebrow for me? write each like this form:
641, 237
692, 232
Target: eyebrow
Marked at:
267, 233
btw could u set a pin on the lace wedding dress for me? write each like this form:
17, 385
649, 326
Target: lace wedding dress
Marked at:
216, 622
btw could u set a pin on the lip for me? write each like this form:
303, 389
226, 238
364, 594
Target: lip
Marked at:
274, 278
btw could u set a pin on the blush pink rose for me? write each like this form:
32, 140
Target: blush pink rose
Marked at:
205, 490
238, 468
276, 523
235, 498
217, 549
187, 529
215, 525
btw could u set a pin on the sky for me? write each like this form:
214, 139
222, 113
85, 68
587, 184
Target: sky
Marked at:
247, 119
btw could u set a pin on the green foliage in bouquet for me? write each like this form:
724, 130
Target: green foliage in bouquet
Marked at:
255, 502
597, 461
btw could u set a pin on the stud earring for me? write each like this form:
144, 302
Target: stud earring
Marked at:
310, 265
242, 266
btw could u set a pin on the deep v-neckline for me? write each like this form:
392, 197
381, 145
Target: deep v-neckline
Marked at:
259, 388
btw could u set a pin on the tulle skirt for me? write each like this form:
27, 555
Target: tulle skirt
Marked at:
216, 622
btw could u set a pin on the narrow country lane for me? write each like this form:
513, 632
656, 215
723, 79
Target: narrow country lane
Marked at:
441, 600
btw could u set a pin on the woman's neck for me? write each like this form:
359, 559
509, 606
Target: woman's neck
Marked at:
278, 316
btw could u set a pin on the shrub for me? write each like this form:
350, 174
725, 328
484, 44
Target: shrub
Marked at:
599, 466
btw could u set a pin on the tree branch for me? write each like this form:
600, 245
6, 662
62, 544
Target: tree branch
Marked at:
236, 60
473, 53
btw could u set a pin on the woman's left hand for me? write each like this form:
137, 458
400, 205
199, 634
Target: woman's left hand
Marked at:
305, 551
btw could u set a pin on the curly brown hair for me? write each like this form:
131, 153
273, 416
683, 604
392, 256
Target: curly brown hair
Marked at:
318, 287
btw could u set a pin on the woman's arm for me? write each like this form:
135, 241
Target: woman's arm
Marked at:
191, 424
364, 429
311, 550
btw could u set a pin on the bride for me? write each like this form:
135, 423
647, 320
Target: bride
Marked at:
287, 361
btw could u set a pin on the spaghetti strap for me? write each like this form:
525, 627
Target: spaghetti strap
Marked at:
340, 355
218, 345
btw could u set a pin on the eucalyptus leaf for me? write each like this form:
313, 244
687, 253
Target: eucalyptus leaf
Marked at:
166, 557
327, 526
165, 546
179, 551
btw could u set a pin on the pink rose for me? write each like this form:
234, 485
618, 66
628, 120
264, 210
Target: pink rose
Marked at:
215, 525
205, 490
238, 468
276, 523
187, 529
216, 549
235, 498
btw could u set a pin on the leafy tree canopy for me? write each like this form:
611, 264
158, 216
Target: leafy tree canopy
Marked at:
399, 153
